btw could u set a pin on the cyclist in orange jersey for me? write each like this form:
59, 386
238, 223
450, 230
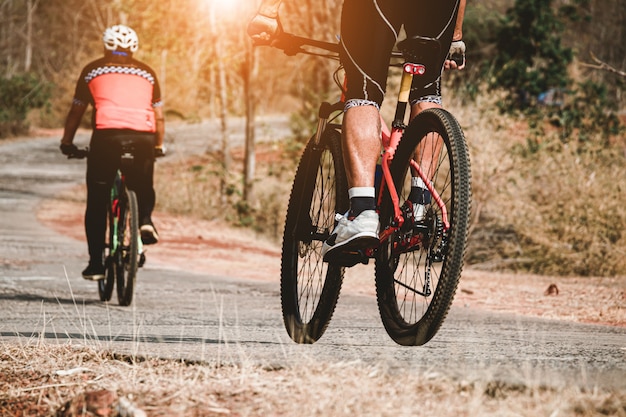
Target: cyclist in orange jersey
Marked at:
126, 99
369, 31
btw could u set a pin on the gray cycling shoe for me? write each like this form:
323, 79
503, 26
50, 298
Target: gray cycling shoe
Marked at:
351, 236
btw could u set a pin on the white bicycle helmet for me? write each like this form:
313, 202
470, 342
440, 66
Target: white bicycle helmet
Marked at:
122, 37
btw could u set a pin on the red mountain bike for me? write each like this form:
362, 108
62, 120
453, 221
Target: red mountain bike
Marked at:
418, 263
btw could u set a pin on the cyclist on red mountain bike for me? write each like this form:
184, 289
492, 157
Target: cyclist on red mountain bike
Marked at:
126, 98
369, 31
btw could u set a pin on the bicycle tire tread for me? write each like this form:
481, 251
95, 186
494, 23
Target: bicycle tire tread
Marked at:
428, 325
302, 331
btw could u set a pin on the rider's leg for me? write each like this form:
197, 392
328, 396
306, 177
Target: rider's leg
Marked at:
95, 227
101, 167
429, 149
368, 32
140, 179
361, 149
427, 154
438, 24
358, 229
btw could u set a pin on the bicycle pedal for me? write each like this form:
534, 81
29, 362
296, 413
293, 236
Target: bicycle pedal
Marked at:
420, 227
142, 260
348, 259
364, 259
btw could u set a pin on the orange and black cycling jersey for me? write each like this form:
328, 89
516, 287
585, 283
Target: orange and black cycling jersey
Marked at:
123, 94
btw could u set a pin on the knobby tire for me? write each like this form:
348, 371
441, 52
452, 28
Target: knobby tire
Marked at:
310, 287
105, 286
410, 318
127, 257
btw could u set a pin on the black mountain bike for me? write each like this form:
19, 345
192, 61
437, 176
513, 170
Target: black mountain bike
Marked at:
123, 253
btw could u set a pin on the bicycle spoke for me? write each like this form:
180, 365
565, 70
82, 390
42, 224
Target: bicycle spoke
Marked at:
417, 274
309, 287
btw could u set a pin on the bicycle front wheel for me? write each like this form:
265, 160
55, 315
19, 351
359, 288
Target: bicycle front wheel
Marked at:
310, 287
127, 255
419, 266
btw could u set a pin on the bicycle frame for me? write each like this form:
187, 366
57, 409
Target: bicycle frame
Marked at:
119, 184
390, 140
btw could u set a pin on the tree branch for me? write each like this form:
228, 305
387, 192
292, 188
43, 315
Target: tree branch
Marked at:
603, 66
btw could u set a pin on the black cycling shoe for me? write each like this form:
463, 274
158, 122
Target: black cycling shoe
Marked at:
149, 235
94, 271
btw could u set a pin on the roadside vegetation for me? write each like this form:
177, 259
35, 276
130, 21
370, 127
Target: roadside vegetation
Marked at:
546, 140
540, 103
74, 380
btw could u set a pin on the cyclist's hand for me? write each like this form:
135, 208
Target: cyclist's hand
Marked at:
68, 150
264, 30
456, 56
159, 151
73, 152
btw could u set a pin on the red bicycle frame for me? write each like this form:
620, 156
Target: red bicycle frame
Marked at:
390, 140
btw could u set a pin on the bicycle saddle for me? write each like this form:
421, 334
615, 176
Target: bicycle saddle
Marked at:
420, 50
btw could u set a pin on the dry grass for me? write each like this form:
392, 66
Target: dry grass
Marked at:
557, 210
554, 210
40, 379
192, 186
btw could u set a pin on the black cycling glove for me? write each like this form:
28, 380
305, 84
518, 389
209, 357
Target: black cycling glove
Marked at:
159, 152
457, 52
69, 150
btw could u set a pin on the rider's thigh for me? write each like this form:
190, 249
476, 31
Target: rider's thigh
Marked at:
103, 160
368, 34
436, 22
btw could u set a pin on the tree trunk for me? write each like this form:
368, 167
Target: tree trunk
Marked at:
9, 39
221, 79
28, 53
163, 75
250, 159
224, 125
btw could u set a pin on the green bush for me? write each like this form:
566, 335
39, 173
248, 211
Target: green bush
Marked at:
18, 95
531, 58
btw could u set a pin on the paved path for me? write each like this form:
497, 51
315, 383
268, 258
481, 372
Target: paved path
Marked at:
180, 314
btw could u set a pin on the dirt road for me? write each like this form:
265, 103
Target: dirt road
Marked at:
210, 292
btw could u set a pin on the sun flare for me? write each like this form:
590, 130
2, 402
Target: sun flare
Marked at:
224, 6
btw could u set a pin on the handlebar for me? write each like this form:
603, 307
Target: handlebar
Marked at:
84, 152
292, 45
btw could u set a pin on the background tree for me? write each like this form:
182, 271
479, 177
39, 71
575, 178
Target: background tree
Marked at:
531, 58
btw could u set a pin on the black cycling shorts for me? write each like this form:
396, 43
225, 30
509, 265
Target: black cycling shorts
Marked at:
105, 149
369, 31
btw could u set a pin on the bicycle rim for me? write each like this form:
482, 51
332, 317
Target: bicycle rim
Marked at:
418, 268
105, 286
127, 256
310, 287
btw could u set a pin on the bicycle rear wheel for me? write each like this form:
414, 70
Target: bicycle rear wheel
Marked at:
127, 255
310, 287
105, 286
418, 268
